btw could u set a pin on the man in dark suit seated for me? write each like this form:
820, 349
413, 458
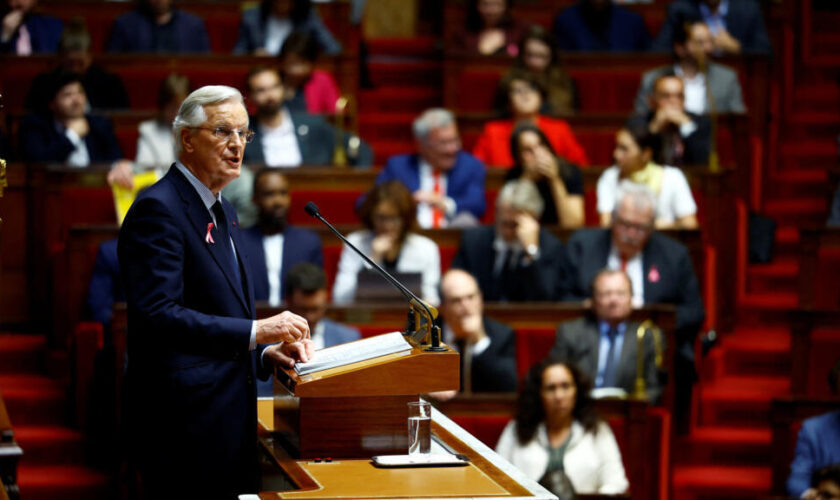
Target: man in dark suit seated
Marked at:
659, 268
194, 346
598, 25
447, 182
737, 25
307, 295
516, 259
273, 245
284, 139
154, 26
487, 347
604, 343
685, 137
25, 31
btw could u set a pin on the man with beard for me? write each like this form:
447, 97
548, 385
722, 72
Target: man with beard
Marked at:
285, 139
154, 26
598, 25
274, 247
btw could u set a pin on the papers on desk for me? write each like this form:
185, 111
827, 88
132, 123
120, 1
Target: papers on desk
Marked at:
353, 352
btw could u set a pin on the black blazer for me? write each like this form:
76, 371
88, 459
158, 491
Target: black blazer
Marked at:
316, 140
695, 146
579, 341
494, 370
668, 274
537, 281
40, 140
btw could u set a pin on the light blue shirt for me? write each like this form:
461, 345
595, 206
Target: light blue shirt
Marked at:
209, 199
716, 21
604, 348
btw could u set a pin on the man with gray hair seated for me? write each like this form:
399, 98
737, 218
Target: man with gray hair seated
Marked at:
659, 268
516, 259
447, 182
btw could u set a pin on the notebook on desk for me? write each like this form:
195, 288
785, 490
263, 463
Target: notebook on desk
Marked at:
371, 287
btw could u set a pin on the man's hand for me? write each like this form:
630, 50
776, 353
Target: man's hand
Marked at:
121, 174
527, 230
442, 395
435, 200
79, 125
11, 22
727, 43
287, 354
284, 327
546, 164
382, 246
667, 116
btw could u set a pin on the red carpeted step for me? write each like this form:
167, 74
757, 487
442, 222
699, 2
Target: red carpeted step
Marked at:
67, 482
417, 46
718, 481
780, 275
724, 446
386, 126
797, 211
740, 400
49, 445
398, 99
406, 73
34, 400
770, 300
385, 149
21, 353
757, 351
797, 183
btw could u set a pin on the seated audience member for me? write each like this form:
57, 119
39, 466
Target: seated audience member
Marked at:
525, 95
817, 446
66, 134
557, 437
737, 25
659, 268
634, 147
598, 25
684, 137
155, 26
515, 260
285, 139
487, 347
834, 210
306, 89
447, 183
693, 45
603, 345
155, 144
273, 245
559, 182
825, 484
105, 287
307, 295
389, 213
25, 31
538, 56
490, 29
265, 27
104, 90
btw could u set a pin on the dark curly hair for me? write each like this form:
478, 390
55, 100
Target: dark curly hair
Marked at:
529, 407
394, 192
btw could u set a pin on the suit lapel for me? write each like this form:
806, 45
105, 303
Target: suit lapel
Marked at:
627, 360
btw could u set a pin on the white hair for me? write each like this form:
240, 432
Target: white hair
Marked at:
191, 114
431, 119
641, 197
522, 194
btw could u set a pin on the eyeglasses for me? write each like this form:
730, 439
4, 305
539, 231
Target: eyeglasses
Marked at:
226, 133
645, 228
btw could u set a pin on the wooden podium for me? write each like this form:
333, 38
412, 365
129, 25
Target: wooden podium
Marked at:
359, 409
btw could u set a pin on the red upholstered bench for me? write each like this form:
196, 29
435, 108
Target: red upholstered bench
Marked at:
532, 345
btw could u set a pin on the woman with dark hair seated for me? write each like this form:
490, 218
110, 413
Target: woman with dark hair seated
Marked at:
557, 438
306, 89
537, 55
489, 29
390, 213
559, 182
264, 28
526, 93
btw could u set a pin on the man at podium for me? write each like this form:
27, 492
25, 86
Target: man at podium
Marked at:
194, 348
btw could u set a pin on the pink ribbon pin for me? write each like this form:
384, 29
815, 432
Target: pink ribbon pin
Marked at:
653, 274
209, 238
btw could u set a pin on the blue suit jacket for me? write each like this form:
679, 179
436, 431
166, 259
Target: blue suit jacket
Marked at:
464, 184
190, 379
299, 245
744, 21
252, 32
105, 286
817, 446
44, 34
134, 32
40, 140
626, 31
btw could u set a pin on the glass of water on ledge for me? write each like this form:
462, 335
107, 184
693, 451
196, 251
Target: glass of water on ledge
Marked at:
419, 428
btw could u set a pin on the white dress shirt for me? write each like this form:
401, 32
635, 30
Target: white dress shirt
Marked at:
427, 183
273, 250
634, 269
80, 156
695, 91
280, 145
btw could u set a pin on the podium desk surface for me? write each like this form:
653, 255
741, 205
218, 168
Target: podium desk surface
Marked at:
486, 476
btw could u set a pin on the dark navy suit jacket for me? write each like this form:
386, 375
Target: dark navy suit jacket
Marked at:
105, 286
44, 34
494, 370
190, 381
817, 446
674, 281
464, 184
626, 31
40, 140
744, 22
134, 32
299, 245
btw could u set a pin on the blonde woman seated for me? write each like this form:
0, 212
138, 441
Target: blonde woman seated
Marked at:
557, 438
389, 212
635, 149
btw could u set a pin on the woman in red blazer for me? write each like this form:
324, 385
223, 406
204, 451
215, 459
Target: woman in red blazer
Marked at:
526, 96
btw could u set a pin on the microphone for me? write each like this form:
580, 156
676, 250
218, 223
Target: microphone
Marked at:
417, 305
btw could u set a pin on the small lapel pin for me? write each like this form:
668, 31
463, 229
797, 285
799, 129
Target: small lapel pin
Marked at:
209, 238
653, 274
